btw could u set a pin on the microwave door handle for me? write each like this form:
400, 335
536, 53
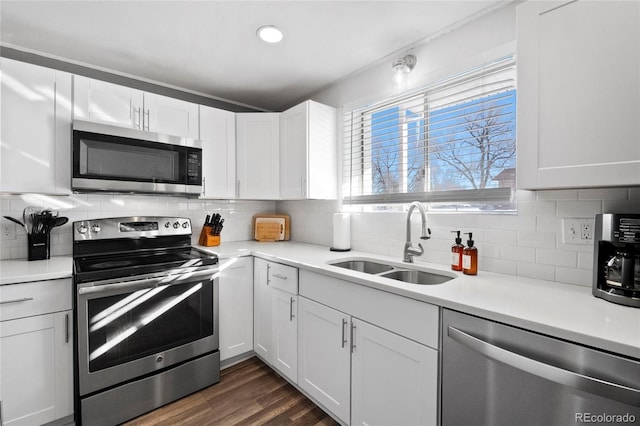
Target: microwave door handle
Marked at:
147, 282
592, 385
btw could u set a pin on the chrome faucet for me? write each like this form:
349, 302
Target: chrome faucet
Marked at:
410, 251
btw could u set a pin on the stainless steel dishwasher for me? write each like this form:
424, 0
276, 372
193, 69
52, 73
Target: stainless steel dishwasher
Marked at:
494, 374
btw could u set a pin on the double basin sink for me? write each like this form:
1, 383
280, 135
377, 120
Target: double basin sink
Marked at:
394, 271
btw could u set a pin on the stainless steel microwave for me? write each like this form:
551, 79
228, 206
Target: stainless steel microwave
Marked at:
117, 159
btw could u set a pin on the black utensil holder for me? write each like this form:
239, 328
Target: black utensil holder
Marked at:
38, 246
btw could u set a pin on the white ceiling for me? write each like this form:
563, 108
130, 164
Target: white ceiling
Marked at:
211, 47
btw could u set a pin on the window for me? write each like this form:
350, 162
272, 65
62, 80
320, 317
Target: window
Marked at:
452, 143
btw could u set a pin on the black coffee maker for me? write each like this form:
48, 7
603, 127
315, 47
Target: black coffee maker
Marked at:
616, 271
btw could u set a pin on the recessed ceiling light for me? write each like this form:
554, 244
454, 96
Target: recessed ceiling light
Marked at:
270, 34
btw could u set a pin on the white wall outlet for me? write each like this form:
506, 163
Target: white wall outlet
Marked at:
577, 231
7, 231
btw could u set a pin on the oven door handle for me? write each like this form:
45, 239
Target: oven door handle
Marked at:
92, 288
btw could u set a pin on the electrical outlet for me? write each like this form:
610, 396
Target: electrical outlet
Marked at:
7, 231
577, 231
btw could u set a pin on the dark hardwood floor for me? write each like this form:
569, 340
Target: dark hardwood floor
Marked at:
249, 393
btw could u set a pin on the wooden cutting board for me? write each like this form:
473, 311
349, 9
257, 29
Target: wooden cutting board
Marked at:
271, 227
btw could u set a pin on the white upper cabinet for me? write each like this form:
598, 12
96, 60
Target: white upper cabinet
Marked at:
578, 94
257, 166
308, 162
109, 103
36, 129
218, 136
170, 116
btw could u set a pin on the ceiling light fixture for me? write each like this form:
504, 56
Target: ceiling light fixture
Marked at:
270, 34
401, 68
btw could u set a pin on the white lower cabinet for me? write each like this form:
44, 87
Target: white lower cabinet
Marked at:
276, 316
285, 333
236, 307
357, 369
36, 353
393, 379
324, 356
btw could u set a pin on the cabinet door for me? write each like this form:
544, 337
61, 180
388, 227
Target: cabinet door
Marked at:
236, 307
324, 356
293, 152
218, 136
37, 369
35, 129
578, 103
394, 379
262, 332
107, 103
169, 116
322, 158
285, 333
257, 136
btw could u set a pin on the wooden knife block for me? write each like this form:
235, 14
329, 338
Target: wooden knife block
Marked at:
208, 240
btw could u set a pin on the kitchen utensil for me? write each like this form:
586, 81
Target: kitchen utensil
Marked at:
281, 220
27, 216
16, 221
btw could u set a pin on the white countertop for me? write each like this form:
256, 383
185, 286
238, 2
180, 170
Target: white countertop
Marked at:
565, 311
20, 271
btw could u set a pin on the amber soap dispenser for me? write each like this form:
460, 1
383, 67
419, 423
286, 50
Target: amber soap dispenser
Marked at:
456, 253
470, 257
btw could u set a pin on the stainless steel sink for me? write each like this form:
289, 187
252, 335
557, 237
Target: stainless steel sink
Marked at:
414, 276
398, 272
364, 266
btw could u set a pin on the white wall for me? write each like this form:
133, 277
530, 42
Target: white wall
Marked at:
528, 243
237, 214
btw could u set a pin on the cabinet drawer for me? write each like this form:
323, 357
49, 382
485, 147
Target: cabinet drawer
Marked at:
34, 298
283, 277
410, 318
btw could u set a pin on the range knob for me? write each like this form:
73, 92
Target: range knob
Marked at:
95, 228
82, 229
185, 225
167, 225
176, 225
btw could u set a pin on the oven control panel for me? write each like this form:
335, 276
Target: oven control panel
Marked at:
130, 227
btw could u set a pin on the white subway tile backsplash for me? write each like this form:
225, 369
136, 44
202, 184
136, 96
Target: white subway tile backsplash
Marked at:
603, 194
537, 239
534, 270
527, 244
238, 215
574, 276
557, 258
587, 208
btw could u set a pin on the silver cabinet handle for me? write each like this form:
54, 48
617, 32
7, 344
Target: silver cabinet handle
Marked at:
204, 186
148, 118
344, 332
353, 333
291, 300
137, 124
238, 188
66, 328
282, 277
24, 299
595, 386
268, 274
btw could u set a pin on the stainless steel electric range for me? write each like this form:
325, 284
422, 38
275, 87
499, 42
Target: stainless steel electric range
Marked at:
146, 316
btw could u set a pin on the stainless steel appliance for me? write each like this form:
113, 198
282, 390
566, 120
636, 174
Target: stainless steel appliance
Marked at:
616, 258
494, 375
117, 159
146, 316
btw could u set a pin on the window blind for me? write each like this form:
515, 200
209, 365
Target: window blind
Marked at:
452, 141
